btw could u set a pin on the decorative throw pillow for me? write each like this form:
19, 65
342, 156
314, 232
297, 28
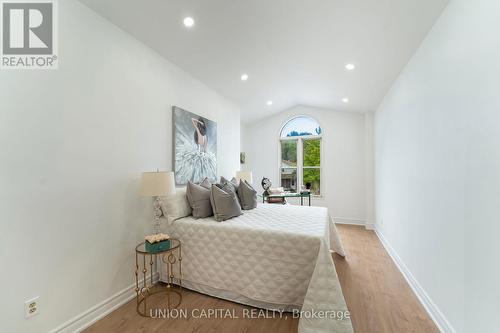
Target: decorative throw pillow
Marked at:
224, 202
233, 183
276, 190
229, 186
206, 183
176, 206
199, 200
248, 195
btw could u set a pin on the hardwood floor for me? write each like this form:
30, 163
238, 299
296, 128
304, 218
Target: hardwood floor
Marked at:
376, 293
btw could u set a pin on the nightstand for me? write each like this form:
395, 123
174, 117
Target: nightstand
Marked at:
146, 264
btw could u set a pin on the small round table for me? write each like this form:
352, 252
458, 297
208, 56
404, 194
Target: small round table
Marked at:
147, 287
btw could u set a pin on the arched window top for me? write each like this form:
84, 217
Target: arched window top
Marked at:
300, 126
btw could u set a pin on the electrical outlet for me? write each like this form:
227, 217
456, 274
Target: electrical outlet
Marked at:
31, 307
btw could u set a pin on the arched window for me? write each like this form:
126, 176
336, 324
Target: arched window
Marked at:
300, 126
300, 155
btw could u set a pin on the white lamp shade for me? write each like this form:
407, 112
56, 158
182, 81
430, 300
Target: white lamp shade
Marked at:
244, 175
157, 184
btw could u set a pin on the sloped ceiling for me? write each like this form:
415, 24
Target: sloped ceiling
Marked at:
294, 51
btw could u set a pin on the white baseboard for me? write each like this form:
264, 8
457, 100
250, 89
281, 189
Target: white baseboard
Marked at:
437, 316
351, 221
370, 226
92, 315
348, 220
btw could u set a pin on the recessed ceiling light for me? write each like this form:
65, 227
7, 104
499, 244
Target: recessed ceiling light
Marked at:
345, 100
244, 77
188, 22
269, 103
350, 67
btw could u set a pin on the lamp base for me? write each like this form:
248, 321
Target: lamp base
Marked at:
157, 213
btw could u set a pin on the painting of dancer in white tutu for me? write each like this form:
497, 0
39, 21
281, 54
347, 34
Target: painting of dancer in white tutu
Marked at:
195, 147
200, 133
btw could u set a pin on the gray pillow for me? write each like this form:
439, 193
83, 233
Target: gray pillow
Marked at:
248, 196
199, 200
224, 202
233, 183
206, 183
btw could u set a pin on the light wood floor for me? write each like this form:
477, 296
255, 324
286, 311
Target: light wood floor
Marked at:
376, 293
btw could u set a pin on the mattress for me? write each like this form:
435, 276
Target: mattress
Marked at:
274, 257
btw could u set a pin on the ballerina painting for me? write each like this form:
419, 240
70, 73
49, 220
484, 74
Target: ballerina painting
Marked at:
195, 147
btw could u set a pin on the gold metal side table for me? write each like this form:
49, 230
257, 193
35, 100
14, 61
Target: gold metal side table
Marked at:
147, 287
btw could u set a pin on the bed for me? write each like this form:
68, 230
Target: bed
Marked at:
274, 257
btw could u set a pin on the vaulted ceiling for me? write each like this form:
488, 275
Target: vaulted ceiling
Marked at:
293, 51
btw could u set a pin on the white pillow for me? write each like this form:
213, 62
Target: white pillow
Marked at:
176, 206
276, 190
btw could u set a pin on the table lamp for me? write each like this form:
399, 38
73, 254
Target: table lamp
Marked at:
157, 184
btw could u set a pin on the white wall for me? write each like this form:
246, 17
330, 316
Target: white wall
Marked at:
369, 171
73, 143
343, 176
437, 166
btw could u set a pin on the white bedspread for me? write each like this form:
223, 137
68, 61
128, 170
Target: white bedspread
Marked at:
274, 257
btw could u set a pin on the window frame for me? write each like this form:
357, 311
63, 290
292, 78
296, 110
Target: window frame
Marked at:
300, 156
296, 168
